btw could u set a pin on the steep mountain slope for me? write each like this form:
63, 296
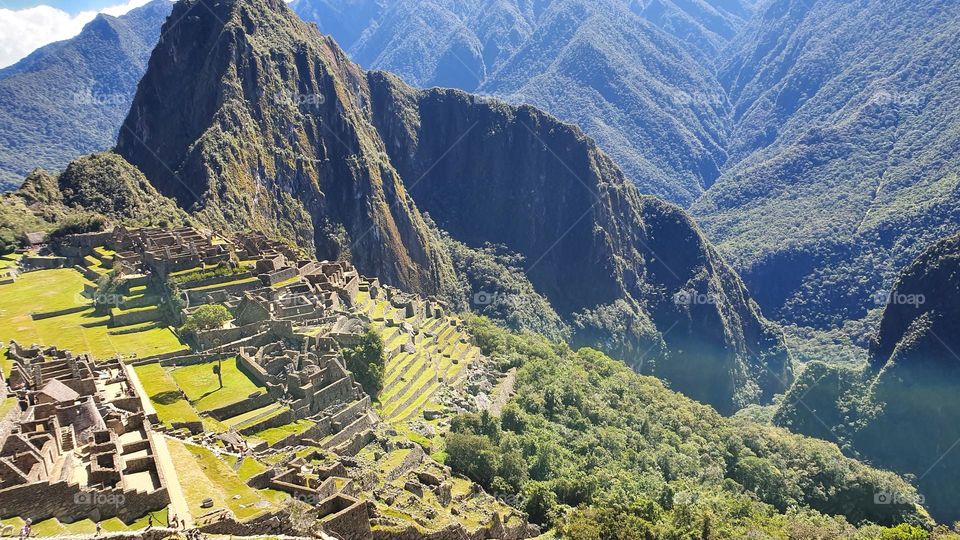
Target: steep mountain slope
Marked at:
909, 389
844, 160
91, 190
637, 76
595, 419
605, 255
68, 98
250, 118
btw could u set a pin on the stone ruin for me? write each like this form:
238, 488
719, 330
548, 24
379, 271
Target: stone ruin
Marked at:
79, 445
316, 384
330, 491
291, 317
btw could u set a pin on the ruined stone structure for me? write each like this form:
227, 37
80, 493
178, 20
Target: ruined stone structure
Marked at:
87, 431
83, 446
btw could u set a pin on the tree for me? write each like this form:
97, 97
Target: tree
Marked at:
206, 317
474, 456
366, 361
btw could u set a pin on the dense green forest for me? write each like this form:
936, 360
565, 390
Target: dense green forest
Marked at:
597, 451
69, 97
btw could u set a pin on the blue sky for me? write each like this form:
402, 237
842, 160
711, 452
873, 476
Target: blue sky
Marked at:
26, 25
70, 6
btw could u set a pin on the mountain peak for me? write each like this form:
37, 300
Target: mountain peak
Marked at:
250, 118
253, 118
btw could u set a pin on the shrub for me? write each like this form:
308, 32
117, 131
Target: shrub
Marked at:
206, 317
366, 360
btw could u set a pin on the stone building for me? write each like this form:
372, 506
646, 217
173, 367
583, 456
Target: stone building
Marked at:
82, 447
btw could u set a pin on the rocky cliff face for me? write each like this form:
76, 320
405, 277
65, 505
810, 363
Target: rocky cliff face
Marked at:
250, 118
901, 411
635, 273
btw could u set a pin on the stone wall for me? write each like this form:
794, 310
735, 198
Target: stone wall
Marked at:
278, 420
42, 263
253, 369
69, 502
345, 518
120, 318
193, 359
60, 312
209, 339
338, 392
246, 405
279, 276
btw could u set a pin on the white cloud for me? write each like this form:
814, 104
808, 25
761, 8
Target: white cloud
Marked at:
24, 30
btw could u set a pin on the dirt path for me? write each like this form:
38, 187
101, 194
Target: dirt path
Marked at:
178, 503
503, 392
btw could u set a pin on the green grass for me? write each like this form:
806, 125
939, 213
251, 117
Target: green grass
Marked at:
286, 282
52, 290
202, 385
274, 435
380, 309
226, 284
239, 419
138, 290
9, 261
165, 395
250, 468
423, 385
53, 527
203, 475
185, 272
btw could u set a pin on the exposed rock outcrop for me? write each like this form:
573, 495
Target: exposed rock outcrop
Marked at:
250, 118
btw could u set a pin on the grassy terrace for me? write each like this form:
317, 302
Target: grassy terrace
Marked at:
202, 386
286, 282
165, 395
202, 475
274, 435
54, 290
9, 261
226, 284
52, 527
412, 380
240, 419
95, 264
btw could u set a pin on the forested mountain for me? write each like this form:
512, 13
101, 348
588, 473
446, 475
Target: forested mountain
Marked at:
636, 76
68, 98
844, 155
632, 459
267, 124
909, 388
829, 127
815, 141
